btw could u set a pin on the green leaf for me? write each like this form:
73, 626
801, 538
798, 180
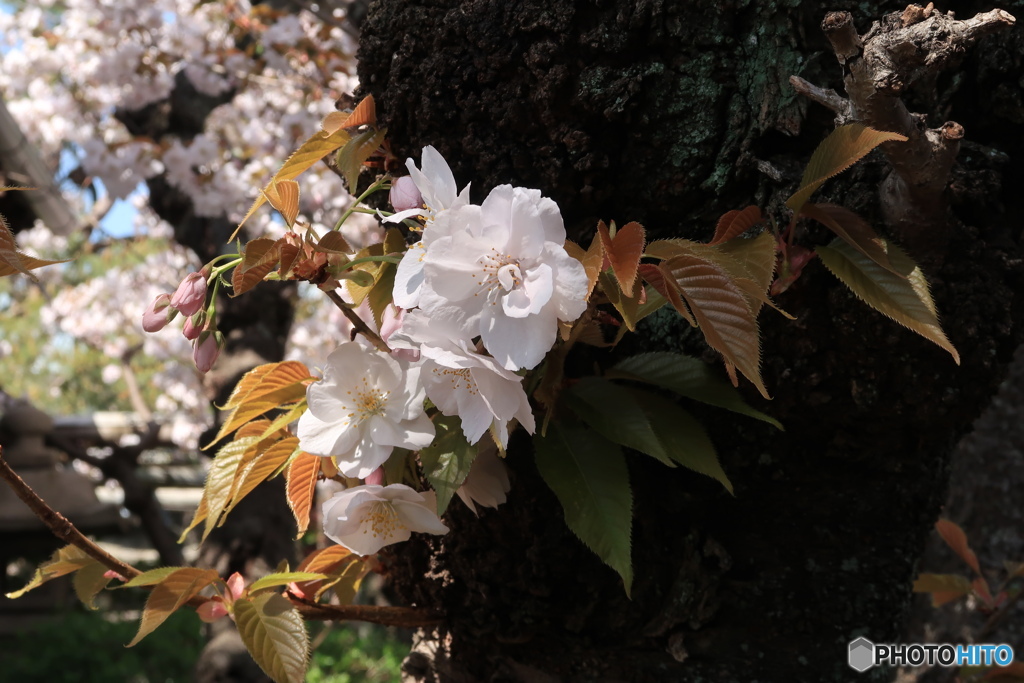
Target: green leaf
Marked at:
611, 410
66, 560
274, 633
355, 152
88, 582
905, 299
447, 460
851, 228
282, 579
689, 377
682, 437
844, 147
588, 475
382, 292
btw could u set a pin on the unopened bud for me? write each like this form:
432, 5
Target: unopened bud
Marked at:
191, 294
194, 325
405, 195
375, 478
205, 351
158, 314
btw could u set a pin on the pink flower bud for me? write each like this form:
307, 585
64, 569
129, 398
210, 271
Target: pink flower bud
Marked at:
191, 294
405, 195
205, 351
212, 610
375, 478
158, 314
192, 329
236, 585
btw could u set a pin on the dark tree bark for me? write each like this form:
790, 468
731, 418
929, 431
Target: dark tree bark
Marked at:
671, 114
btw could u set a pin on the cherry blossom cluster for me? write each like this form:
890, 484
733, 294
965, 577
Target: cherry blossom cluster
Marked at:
480, 298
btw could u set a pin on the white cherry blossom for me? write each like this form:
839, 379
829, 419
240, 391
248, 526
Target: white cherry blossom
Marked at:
505, 266
460, 381
364, 519
366, 405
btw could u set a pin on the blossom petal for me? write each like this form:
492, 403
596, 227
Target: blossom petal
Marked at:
532, 295
325, 438
417, 517
518, 342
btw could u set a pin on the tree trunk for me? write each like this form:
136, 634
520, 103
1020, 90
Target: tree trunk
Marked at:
671, 114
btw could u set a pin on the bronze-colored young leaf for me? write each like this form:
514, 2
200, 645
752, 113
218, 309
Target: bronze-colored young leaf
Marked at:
666, 249
365, 113
300, 478
283, 195
319, 145
264, 388
88, 582
735, 223
220, 479
345, 569
278, 579
356, 151
170, 594
624, 252
844, 147
722, 313
956, 539
663, 282
592, 259
150, 578
64, 561
333, 243
853, 229
263, 464
903, 299
274, 633
261, 256
756, 257
625, 305
943, 587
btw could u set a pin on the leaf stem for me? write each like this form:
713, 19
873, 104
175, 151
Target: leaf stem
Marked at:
377, 185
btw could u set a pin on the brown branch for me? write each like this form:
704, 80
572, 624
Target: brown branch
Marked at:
404, 617
825, 97
899, 50
357, 322
61, 527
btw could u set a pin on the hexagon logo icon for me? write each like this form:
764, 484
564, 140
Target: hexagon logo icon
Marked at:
862, 654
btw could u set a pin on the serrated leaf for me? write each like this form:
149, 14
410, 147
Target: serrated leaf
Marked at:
446, 462
943, 587
263, 464
170, 594
722, 313
666, 249
263, 388
88, 582
220, 480
611, 411
283, 579
755, 260
355, 152
64, 561
300, 478
589, 477
844, 147
663, 282
333, 243
592, 259
151, 577
686, 376
274, 633
905, 300
283, 195
682, 437
956, 539
627, 307
624, 252
13, 261
319, 145
345, 569
735, 223
260, 257
853, 229
365, 113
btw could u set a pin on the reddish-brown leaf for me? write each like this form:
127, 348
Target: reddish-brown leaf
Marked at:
853, 229
591, 259
735, 223
333, 243
720, 309
259, 258
956, 539
943, 587
624, 252
264, 388
170, 594
267, 457
365, 113
663, 282
301, 479
283, 195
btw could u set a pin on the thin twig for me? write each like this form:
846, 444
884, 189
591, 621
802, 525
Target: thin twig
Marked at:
357, 322
61, 527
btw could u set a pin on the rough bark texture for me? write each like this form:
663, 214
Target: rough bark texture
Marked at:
671, 114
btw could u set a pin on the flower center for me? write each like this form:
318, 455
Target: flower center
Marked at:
499, 271
459, 379
383, 520
367, 401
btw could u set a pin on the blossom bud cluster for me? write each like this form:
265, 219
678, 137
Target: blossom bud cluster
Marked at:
480, 298
189, 299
